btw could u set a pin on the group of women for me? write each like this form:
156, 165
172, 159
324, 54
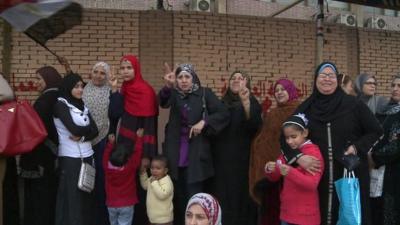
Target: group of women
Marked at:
212, 145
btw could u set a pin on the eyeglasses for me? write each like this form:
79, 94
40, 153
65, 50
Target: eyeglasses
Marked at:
370, 83
327, 75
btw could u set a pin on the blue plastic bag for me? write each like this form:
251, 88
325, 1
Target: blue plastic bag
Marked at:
348, 191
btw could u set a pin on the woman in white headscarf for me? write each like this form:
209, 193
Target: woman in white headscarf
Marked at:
96, 96
203, 209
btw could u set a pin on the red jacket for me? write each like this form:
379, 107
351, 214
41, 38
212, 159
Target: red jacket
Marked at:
120, 182
299, 195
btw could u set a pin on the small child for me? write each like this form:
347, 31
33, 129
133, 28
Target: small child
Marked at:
160, 192
120, 165
299, 196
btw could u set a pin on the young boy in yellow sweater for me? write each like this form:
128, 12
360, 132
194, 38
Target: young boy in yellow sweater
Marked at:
160, 192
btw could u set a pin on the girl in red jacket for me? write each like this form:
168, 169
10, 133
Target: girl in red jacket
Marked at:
299, 195
120, 165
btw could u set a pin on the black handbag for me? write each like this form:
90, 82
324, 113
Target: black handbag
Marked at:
350, 162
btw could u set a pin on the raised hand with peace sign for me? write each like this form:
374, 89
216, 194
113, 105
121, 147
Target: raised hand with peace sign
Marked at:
113, 80
169, 76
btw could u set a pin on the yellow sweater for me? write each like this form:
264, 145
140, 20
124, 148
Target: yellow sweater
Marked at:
159, 198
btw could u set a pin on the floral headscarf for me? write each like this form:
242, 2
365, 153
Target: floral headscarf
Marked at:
195, 79
97, 100
210, 206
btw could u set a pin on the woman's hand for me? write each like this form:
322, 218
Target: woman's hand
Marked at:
284, 169
244, 95
309, 163
75, 138
64, 62
113, 81
351, 150
111, 138
197, 128
169, 77
140, 132
270, 167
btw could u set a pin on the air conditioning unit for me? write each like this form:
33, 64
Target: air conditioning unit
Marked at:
347, 19
201, 5
376, 23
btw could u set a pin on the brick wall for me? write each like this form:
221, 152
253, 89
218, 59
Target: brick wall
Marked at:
156, 44
216, 44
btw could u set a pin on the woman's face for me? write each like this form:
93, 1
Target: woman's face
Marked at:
185, 81
237, 82
326, 81
396, 90
195, 215
77, 91
127, 71
40, 83
99, 76
369, 87
348, 88
281, 95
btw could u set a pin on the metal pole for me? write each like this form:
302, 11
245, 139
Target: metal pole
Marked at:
285, 8
320, 33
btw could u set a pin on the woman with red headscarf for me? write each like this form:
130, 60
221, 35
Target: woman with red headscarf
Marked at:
135, 106
265, 147
139, 107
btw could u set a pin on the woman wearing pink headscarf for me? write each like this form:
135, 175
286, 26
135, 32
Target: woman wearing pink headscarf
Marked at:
203, 209
265, 147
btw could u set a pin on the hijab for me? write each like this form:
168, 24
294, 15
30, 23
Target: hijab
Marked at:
375, 103
139, 97
210, 206
231, 99
50, 76
67, 84
392, 107
96, 98
188, 68
289, 87
326, 108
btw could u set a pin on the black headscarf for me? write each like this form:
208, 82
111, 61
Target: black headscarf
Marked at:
50, 76
67, 84
326, 108
231, 99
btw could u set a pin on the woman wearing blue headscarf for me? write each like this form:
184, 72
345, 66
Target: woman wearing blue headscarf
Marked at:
340, 125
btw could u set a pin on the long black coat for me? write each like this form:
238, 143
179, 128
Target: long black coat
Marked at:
200, 158
387, 153
43, 155
231, 151
358, 127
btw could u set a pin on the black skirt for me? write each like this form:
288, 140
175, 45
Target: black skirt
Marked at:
73, 205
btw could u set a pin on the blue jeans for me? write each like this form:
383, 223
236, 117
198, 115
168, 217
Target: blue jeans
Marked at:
285, 223
121, 216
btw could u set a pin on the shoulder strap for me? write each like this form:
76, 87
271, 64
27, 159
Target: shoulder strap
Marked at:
203, 99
